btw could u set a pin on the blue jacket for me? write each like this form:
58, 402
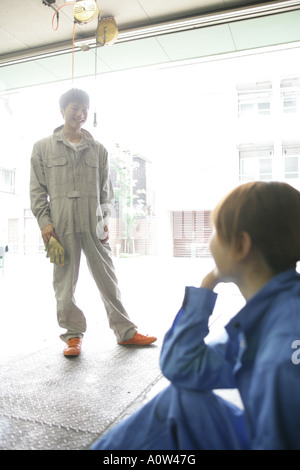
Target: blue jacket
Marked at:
260, 356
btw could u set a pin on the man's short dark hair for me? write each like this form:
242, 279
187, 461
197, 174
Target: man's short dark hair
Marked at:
74, 95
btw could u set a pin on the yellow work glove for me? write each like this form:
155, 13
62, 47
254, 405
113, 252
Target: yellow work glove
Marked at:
55, 252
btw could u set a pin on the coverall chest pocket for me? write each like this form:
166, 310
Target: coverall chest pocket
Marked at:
91, 169
57, 170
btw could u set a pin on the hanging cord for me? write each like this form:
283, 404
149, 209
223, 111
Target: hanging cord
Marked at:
57, 20
73, 52
95, 110
96, 71
45, 2
56, 14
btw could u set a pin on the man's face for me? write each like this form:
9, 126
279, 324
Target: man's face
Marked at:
75, 114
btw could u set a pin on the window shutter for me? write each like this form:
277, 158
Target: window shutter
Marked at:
191, 234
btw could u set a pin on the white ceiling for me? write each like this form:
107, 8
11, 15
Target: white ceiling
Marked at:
28, 41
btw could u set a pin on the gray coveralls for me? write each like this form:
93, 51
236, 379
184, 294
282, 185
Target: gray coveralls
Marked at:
69, 193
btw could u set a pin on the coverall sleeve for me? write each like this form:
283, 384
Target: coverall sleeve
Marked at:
276, 404
38, 190
186, 360
107, 197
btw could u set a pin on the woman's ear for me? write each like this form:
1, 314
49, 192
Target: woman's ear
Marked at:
243, 246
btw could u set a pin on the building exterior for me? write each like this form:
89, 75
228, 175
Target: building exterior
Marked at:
133, 221
254, 135
267, 144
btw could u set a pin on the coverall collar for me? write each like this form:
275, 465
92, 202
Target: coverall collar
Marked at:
87, 138
256, 307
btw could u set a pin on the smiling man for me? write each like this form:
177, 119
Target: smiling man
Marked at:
70, 190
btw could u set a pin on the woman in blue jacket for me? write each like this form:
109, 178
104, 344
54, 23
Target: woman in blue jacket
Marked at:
256, 245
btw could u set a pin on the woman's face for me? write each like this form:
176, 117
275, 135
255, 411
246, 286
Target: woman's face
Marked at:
224, 257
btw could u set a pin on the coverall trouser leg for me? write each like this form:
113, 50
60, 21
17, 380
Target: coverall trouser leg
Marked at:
180, 419
102, 269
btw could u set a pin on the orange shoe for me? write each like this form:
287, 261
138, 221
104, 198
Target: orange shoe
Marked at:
140, 340
73, 347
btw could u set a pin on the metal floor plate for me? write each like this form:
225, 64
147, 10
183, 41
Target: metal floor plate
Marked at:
51, 402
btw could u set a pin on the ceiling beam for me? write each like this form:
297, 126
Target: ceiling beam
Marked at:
182, 24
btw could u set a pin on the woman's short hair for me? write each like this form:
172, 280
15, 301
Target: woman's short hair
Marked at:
74, 95
270, 213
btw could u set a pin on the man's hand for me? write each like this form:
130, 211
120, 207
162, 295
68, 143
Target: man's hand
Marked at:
105, 240
48, 232
211, 279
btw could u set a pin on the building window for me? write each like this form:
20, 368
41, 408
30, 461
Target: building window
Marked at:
290, 95
256, 164
291, 156
13, 235
191, 234
7, 180
254, 99
291, 165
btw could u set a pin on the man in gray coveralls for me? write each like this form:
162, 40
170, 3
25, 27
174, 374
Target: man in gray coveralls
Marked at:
69, 187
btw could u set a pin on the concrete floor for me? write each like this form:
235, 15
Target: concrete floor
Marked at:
50, 402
